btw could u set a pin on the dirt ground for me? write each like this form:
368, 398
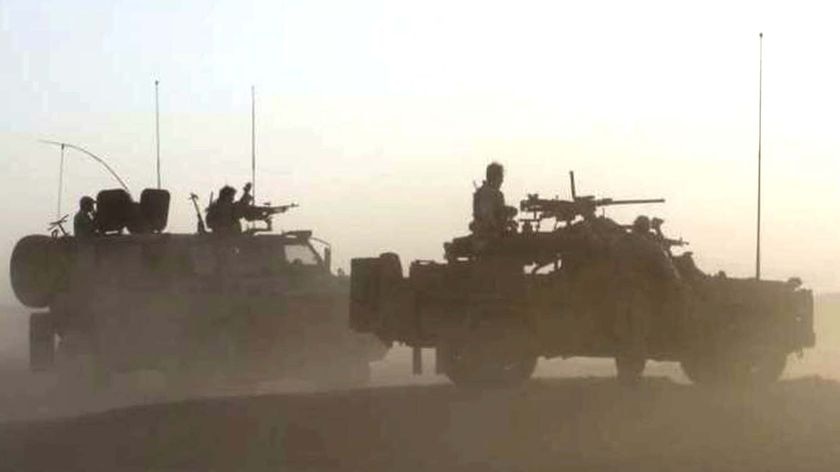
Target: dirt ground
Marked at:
571, 416
550, 424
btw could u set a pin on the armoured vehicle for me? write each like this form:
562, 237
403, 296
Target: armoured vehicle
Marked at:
587, 286
255, 305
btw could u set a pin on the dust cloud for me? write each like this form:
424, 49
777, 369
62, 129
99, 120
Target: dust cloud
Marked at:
571, 415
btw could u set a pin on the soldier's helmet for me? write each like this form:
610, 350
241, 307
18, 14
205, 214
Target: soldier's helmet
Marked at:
227, 193
86, 203
494, 171
641, 224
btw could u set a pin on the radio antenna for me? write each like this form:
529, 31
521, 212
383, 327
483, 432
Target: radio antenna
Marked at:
60, 184
758, 209
157, 130
92, 156
253, 147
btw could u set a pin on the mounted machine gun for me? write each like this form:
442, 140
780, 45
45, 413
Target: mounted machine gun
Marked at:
528, 244
569, 210
667, 243
264, 213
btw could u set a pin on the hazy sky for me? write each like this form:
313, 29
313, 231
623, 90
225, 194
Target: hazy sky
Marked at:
378, 116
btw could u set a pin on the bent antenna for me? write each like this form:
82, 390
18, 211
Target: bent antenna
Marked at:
92, 156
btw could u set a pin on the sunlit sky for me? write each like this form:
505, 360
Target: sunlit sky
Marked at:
377, 117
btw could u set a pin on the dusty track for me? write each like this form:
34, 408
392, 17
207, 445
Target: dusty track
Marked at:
550, 424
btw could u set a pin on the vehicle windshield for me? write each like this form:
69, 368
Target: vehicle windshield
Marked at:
300, 254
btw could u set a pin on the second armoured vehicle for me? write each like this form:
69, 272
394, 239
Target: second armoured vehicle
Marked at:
254, 305
587, 286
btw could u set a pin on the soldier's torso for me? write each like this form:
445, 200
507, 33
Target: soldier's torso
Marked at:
488, 209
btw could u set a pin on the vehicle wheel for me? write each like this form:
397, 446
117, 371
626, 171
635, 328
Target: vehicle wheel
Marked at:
633, 322
488, 372
214, 360
340, 375
491, 356
757, 368
629, 369
183, 376
41, 342
35, 270
699, 369
78, 365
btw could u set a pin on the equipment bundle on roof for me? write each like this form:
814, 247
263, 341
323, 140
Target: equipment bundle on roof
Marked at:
116, 210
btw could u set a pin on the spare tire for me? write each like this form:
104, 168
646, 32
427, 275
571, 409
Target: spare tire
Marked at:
364, 294
154, 207
114, 209
36, 270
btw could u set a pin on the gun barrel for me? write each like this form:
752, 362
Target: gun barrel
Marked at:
280, 208
638, 201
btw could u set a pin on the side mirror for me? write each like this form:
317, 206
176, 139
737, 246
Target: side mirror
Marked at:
328, 258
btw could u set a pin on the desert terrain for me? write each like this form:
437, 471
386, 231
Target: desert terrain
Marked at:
571, 416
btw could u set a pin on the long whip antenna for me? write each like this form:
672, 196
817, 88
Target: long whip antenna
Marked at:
60, 184
253, 147
157, 130
92, 156
758, 217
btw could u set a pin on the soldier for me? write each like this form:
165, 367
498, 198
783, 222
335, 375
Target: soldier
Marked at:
648, 291
491, 217
648, 249
83, 223
224, 214
659, 236
641, 226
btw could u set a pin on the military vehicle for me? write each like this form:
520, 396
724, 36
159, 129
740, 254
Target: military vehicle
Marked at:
255, 306
586, 286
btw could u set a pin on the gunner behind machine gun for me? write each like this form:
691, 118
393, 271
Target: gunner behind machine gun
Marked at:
666, 242
224, 214
494, 229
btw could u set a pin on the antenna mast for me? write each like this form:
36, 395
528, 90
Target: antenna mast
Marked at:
253, 148
60, 184
758, 218
157, 131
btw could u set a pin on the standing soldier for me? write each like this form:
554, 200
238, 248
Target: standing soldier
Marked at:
83, 223
224, 214
491, 217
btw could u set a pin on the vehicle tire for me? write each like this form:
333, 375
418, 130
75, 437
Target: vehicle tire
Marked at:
633, 325
766, 369
77, 364
184, 375
41, 342
489, 373
629, 368
342, 375
756, 368
493, 355
35, 270
699, 369
374, 349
